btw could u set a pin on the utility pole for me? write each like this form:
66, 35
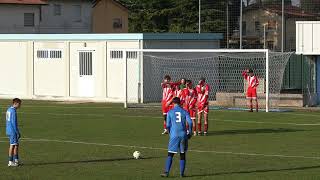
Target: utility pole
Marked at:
282, 28
199, 16
227, 24
240, 24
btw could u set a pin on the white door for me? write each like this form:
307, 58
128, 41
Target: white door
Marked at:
86, 74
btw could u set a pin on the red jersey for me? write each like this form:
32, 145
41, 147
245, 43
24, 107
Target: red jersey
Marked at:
252, 80
167, 93
203, 94
190, 98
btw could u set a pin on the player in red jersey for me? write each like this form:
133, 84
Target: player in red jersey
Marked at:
252, 88
190, 97
203, 90
167, 96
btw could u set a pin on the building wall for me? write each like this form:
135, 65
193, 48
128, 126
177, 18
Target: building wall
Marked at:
68, 21
116, 74
45, 67
104, 15
308, 37
274, 35
12, 18
51, 74
16, 71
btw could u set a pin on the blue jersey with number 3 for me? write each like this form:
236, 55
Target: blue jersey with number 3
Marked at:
176, 122
12, 122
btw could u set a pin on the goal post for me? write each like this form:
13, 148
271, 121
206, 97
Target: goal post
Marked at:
145, 68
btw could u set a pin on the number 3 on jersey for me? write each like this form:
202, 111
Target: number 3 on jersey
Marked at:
178, 117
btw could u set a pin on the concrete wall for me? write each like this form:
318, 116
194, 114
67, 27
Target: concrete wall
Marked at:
67, 22
12, 18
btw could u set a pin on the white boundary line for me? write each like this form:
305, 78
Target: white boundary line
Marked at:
62, 106
164, 149
263, 122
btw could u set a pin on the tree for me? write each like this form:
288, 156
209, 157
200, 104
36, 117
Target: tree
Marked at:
310, 6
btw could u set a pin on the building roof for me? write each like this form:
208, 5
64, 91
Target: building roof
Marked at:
95, 2
289, 10
123, 36
27, 2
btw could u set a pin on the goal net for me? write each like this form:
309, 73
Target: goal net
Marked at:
145, 69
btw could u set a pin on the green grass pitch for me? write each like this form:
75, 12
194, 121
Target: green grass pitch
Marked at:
96, 141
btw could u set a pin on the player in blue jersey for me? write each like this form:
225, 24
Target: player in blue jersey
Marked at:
177, 119
13, 132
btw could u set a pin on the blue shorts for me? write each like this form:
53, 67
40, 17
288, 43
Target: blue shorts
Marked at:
13, 140
178, 145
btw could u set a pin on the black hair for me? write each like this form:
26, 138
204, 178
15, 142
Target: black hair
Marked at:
250, 71
188, 81
203, 79
176, 100
167, 77
16, 100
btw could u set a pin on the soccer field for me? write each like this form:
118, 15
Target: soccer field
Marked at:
96, 141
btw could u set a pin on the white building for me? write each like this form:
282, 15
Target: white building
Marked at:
82, 66
308, 44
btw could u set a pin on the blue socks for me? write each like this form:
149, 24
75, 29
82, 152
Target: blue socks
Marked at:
10, 158
15, 157
182, 167
168, 164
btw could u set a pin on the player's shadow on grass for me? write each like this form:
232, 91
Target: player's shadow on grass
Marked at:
256, 171
253, 131
86, 161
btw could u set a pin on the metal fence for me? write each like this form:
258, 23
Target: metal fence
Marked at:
257, 23
269, 24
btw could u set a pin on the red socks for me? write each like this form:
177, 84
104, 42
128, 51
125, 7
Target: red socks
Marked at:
164, 125
199, 127
205, 127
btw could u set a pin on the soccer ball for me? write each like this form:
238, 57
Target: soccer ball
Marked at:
136, 155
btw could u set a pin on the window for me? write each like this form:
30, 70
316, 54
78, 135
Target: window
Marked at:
270, 45
257, 26
117, 23
42, 54
57, 9
29, 19
272, 25
54, 54
132, 54
46, 54
85, 63
76, 13
244, 28
116, 54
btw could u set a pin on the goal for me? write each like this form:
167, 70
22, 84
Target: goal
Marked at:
144, 70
